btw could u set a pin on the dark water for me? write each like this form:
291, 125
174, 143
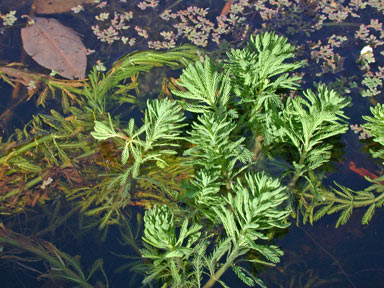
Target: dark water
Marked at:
315, 256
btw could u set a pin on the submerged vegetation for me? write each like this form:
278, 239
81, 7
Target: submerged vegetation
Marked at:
199, 169
195, 161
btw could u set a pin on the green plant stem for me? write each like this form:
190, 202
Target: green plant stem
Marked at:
29, 184
58, 85
222, 269
258, 146
293, 181
35, 142
44, 255
297, 175
58, 222
86, 154
356, 203
37, 179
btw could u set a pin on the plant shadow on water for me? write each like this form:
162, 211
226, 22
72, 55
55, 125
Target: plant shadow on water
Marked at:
184, 167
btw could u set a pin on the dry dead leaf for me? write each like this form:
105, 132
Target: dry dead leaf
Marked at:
58, 6
56, 47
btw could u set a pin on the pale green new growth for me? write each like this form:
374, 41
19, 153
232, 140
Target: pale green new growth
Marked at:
103, 131
260, 72
257, 207
308, 122
160, 232
214, 148
161, 129
206, 191
209, 89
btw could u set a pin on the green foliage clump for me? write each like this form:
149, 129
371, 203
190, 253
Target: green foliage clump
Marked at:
242, 113
256, 208
194, 162
309, 122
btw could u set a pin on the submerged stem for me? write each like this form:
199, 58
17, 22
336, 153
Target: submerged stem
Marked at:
222, 270
27, 147
7, 238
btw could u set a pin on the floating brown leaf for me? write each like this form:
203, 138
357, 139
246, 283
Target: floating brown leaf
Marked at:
56, 47
57, 6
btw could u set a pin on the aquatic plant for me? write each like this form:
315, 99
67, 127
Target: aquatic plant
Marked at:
225, 190
55, 157
62, 146
343, 199
194, 160
61, 265
232, 120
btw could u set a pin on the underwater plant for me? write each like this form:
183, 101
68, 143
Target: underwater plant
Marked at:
195, 159
344, 199
246, 95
